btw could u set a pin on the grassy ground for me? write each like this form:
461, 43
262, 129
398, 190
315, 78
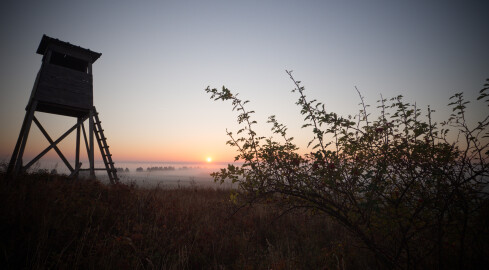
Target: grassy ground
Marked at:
47, 221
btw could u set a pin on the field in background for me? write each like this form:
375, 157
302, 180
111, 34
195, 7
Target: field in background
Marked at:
184, 174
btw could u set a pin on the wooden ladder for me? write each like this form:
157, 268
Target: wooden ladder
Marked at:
104, 148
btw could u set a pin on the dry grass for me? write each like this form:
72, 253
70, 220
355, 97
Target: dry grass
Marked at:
48, 221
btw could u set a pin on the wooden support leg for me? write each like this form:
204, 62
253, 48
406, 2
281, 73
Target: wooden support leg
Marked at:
15, 154
86, 140
15, 164
91, 155
74, 173
77, 147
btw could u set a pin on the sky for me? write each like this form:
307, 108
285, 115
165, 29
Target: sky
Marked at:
159, 56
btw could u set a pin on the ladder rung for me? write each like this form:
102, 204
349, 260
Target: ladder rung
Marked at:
104, 148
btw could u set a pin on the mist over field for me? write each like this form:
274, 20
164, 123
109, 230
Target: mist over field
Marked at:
150, 174
173, 174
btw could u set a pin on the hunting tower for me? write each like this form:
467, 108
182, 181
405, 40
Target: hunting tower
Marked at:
64, 86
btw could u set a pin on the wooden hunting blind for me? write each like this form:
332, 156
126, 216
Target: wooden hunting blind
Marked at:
64, 86
65, 82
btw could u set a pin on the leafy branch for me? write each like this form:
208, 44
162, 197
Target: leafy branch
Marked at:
397, 183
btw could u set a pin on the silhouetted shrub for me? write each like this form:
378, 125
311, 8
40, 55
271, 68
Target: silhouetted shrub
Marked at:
415, 197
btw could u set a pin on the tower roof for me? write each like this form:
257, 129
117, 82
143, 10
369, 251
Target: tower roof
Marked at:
67, 48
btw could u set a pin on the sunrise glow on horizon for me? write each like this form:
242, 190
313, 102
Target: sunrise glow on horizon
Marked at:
158, 57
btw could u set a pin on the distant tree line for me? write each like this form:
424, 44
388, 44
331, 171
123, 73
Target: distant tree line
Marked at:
120, 169
166, 168
169, 168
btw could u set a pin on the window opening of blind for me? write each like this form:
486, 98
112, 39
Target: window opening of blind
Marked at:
68, 61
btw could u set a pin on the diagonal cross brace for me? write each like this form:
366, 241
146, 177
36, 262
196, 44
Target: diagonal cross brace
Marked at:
76, 170
53, 144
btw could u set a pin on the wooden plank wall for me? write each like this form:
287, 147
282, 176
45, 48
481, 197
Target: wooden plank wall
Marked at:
66, 87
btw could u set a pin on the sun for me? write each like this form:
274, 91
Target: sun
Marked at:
208, 159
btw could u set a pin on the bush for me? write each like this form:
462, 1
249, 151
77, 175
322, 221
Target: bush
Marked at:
411, 195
